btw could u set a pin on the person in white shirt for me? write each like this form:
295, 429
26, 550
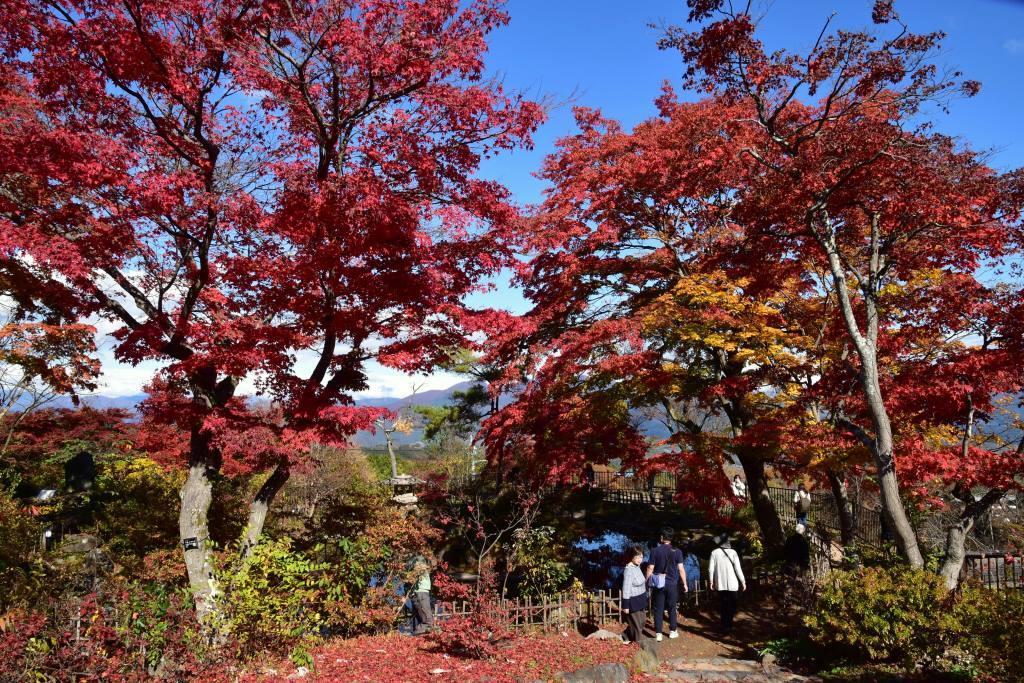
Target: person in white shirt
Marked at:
739, 489
801, 504
726, 577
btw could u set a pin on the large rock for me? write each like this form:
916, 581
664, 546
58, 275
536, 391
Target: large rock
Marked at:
647, 659
601, 673
604, 634
78, 543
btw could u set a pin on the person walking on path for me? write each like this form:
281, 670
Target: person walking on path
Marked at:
422, 610
691, 568
726, 577
796, 555
801, 504
797, 551
664, 572
634, 596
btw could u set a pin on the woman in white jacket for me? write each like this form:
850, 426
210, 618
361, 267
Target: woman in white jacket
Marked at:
726, 577
634, 596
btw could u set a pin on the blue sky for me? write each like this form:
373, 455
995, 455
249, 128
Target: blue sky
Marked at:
603, 54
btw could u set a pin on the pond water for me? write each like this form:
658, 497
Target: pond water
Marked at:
602, 558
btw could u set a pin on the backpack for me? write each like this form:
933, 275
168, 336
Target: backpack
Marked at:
804, 505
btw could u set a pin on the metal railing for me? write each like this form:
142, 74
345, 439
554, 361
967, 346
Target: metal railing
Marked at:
824, 515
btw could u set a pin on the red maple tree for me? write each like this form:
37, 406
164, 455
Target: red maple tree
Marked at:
263, 191
845, 172
798, 254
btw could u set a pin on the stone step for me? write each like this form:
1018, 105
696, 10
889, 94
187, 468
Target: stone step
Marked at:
723, 669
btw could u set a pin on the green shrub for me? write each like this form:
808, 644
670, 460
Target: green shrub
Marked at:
993, 623
877, 614
897, 615
538, 563
273, 599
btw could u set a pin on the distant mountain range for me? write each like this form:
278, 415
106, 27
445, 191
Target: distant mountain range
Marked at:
1001, 424
434, 397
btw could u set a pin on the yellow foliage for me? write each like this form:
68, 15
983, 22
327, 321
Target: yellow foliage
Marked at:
403, 425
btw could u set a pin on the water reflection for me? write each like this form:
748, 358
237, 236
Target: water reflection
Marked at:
602, 558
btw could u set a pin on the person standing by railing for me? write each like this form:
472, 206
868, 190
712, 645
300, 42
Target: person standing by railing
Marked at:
801, 504
691, 567
422, 609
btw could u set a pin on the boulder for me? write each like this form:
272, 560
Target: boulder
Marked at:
646, 658
600, 673
650, 645
604, 634
78, 543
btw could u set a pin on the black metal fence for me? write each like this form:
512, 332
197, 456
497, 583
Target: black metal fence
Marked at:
824, 515
995, 571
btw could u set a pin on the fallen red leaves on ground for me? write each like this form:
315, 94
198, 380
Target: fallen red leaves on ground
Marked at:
383, 659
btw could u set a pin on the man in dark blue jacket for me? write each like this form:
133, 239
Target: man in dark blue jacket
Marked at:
664, 574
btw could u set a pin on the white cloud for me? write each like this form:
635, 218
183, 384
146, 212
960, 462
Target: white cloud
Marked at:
1014, 46
390, 382
122, 379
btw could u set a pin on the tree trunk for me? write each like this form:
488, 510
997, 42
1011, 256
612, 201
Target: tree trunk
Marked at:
892, 504
844, 508
391, 455
956, 537
260, 506
196, 496
882, 444
193, 527
764, 509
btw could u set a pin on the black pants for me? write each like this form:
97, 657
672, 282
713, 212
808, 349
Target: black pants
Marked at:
422, 611
727, 605
635, 625
666, 598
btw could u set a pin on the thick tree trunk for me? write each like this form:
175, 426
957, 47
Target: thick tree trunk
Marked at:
193, 527
260, 506
892, 504
956, 537
391, 456
866, 345
844, 508
764, 509
196, 497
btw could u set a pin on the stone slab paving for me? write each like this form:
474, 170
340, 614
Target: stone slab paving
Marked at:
723, 669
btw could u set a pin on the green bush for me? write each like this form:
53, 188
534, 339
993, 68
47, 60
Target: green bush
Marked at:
877, 614
19, 532
537, 562
993, 623
272, 600
895, 614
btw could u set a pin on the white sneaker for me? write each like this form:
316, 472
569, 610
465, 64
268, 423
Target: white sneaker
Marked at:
673, 634
658, 637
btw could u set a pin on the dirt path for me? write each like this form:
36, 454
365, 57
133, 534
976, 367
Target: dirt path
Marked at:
701, 637
757, 621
